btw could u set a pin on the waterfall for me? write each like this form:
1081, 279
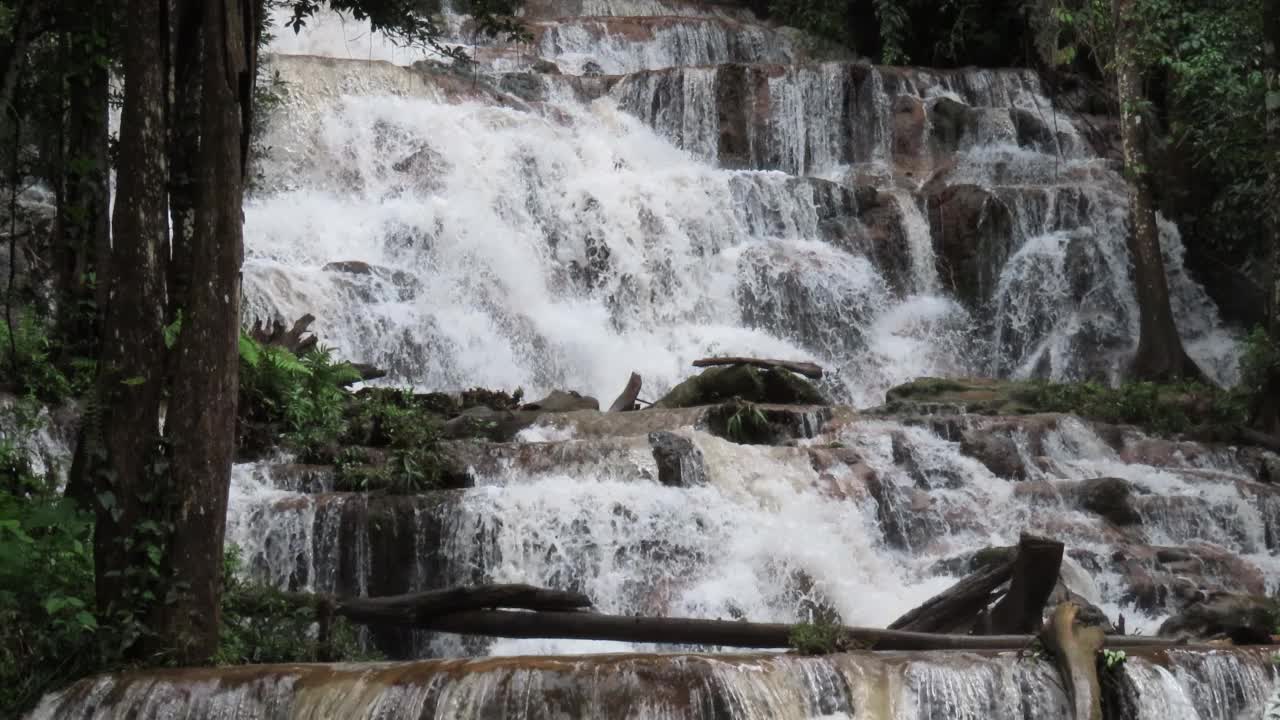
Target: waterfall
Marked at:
686, 183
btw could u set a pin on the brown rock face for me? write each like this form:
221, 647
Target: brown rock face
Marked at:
972, 234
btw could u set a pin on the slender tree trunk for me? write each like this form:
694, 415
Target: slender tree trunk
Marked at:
14, 52
1160, 354
1267, 404
84, 219
184, 150
130, 373
202, 412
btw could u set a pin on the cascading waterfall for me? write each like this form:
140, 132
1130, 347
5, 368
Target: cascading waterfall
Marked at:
708, 193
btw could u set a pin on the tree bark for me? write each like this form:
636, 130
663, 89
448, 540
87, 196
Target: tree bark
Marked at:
1075, 650
130, 374
84, 220
1267, 403
807, 369
959, 605
627, 400
1160, 355
14, 53
202, 411
1035, 573
184, 146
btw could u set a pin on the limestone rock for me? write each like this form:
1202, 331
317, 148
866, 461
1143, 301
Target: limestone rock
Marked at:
718, 384
561, 401
999, 453
680, 462
1110, 498
1244, 619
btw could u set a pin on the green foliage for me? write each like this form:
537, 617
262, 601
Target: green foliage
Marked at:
49, 635
303, 396
1162, 408
746, 422
826, 19
408, 427
1113, 660
27, 365
820, 637
1261, 359
263, 625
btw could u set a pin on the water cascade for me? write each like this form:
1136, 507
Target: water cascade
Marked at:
688, 183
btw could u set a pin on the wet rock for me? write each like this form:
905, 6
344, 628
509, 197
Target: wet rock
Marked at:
1032, 131
1110, 498
561, 401
482, 422
546, 67
999, 453
591, 68
973, 233
680, 462
951, 121
751, 384
404, 284
1244, 619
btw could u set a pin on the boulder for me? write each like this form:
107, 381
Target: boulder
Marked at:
561, 401
1111, 498
546, 67
1244, 619
949, 121
680, 462
751, 384
973, 231
999, 453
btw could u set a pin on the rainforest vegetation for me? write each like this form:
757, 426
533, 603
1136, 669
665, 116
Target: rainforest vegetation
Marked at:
126, 307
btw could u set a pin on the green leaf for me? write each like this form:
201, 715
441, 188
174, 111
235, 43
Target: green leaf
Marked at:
250, 351
1273, 101
107, 499
134, 381
172, 330
87, 620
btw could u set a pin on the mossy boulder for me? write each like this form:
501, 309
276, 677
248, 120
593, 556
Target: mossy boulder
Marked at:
1244, 619
751, 384
1111, 498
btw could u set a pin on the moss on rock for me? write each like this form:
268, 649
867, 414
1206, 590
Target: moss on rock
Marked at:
751, 384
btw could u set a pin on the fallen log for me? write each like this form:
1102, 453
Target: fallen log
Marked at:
627, 400
367, 372
1034, 574
413, 609
806, 369
959, 605
723, 633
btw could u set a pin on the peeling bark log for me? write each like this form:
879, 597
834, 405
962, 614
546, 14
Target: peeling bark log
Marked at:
1035, 573
958, 606
1075, 650
806, 369
558, 614
295, 339
627, 400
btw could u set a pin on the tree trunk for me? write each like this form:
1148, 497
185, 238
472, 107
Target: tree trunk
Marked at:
14, 53
959, 605
202, 412
84, 219
1267, 413
1160, 355
184, 149
627, 399
1035, 573
130, 374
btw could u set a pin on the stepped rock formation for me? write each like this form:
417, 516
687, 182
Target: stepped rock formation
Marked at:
690, 182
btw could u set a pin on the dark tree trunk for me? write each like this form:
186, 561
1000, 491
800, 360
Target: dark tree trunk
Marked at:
202, 412
1035, 573
84, 220
124, 433
184, 149
14, 52
1160, 354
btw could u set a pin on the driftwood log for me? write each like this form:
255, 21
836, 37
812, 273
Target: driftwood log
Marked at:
558, 614
1036, 567
1075, 653
1031, 575
806, 369
295, 339
627, 400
